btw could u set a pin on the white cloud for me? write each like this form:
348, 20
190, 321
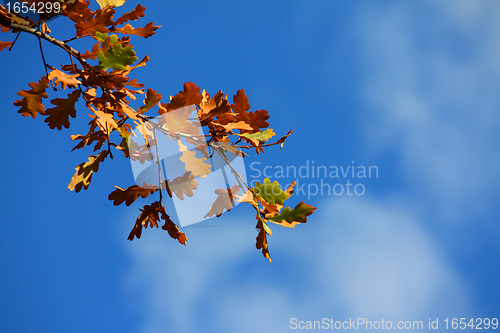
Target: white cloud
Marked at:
431, 73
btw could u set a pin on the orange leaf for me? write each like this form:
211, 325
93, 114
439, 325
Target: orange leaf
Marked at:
152, 98
183, 185
224, 201
65, 79
197, 166
255, 119
4, 45
32, 101
147, 31
131, 16
90, 24
92, 54
65, 107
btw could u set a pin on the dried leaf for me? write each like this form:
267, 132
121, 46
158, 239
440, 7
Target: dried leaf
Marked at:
4, 45
58, 117
32, 99
131, 16
197, 166
183, 185
146, 32
130, 194
291, 217
224, 201
83, 176
64, 79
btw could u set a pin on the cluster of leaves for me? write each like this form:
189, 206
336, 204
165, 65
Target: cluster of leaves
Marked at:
100, 78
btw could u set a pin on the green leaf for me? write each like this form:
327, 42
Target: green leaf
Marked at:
261, 136
117, 57
290, 218
101, 37
270, 192
267, 229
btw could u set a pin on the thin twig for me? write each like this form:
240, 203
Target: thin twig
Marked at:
158, 163
15, 40
44, 62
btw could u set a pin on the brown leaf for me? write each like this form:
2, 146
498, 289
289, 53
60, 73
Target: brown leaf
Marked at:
255, 119
130, 194
32, 99
224, 201
189, 96
65, 107
172, 228
240, 101
131, 16
65, 79
261, 241
146, 32
149, 215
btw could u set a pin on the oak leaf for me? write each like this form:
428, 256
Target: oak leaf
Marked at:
83, 176
152, 98
259, 136
183, 185
94, 22
117, 57
32, 99
131, 16
58, 117
4, 45
130, 194
256, 120
224, 201
64, 79
111, 3
196, 165
261, 241
172, 228
146, 32
291, 217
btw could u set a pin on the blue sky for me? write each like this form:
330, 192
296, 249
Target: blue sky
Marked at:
409, 87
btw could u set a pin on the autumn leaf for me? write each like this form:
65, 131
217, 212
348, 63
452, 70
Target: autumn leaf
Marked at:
256, 120
96, 22
196, 165
183, 185
152, 98
111, 3
130, 194
291, 217
172, 228
64, 79
117, 57
92, 54
259, 136
32, 99
261, 241
105, 121
4, 45
237, 125
149, 216
83, 176
224, 201
270, 192
240, 102
146, 32
189, 96
58, 117
131, 16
